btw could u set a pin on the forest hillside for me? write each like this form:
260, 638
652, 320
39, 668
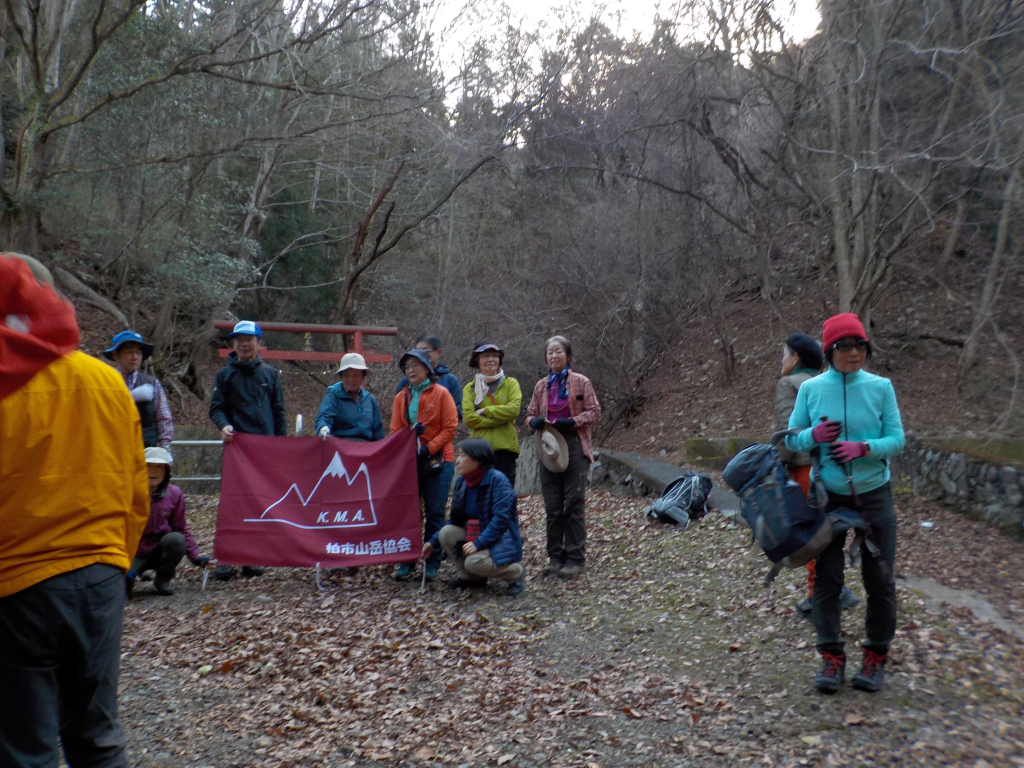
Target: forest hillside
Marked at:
675, 202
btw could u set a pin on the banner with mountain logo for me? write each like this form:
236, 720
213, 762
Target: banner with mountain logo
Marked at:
299, 501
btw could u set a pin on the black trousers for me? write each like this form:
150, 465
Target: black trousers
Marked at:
565, 504
877, 509
165, 558
60, 644
505, 462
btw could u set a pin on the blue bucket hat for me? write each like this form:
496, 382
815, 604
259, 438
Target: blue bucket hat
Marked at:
246, 328
126, 337
420, 355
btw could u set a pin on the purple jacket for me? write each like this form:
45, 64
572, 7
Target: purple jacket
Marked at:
167, 515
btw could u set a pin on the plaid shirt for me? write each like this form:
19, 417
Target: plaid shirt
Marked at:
161, 409
582, 404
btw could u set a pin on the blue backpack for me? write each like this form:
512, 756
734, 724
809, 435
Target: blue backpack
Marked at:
791, 529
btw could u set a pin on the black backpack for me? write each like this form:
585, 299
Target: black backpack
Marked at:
791, 529
683, 501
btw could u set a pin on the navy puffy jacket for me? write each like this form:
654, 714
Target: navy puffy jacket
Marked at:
498, 511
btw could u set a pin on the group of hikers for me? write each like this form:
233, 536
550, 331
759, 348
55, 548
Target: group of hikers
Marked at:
248, 398
87, 501
483, 538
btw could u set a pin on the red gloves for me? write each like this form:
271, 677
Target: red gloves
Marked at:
845, 451
826, 432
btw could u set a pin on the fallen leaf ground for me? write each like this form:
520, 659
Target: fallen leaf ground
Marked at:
666, 652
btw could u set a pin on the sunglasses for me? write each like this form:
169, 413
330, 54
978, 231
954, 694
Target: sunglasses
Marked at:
848, 345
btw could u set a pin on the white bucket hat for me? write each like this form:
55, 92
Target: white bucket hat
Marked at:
158, 456
352, 360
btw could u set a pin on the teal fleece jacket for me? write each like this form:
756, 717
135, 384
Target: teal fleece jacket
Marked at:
865, 404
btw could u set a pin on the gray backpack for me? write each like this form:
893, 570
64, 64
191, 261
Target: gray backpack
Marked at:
683, 501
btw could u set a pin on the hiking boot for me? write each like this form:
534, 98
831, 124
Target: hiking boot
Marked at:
403, 572
554, 566
253, 570
466, 582
804, 608
165, 588
223, 573
430, 571
570, 571
833, 674
518, 586
847, 599
872, 671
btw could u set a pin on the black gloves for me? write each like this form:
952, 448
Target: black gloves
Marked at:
424, 451
536, 422
418, 428
564, 424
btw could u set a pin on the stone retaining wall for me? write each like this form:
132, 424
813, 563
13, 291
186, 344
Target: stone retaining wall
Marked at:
975, 485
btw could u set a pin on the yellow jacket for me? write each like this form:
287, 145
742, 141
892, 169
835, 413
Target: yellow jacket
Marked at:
73, 484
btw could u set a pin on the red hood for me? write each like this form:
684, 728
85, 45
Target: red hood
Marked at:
36, 325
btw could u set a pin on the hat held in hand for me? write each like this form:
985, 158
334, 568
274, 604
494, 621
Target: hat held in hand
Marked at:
552, 450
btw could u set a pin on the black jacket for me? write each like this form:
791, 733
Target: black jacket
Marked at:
248, 396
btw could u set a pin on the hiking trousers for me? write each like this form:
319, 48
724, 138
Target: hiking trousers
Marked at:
565, 504
478, 565
164, 559
434, 492
876, 507
60, 648
505, 462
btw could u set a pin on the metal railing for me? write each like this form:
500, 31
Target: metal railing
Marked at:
197, 443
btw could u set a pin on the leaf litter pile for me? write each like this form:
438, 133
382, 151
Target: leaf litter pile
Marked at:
668, 651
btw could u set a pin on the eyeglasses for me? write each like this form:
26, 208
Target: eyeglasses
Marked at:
848, 345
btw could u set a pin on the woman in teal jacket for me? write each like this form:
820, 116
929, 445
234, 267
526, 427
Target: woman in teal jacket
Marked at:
855, 413
348, 411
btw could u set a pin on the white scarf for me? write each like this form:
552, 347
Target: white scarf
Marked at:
480, 383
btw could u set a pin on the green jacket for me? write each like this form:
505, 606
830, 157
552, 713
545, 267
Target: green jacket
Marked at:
497, 425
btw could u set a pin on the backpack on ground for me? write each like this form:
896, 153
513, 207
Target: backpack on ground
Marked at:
791, 529
683, 501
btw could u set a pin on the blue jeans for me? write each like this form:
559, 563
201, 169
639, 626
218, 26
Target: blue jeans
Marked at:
434, 492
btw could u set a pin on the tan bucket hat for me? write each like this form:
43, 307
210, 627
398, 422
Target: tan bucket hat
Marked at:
552, 450
352, 360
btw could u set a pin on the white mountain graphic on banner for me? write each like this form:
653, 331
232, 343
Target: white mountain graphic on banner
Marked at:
338, 500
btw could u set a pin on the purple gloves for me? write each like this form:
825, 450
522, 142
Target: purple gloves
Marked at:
826, 432
845, 451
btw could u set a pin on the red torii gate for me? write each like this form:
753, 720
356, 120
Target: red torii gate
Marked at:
356, 331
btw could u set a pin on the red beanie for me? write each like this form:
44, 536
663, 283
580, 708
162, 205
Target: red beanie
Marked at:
844, 326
